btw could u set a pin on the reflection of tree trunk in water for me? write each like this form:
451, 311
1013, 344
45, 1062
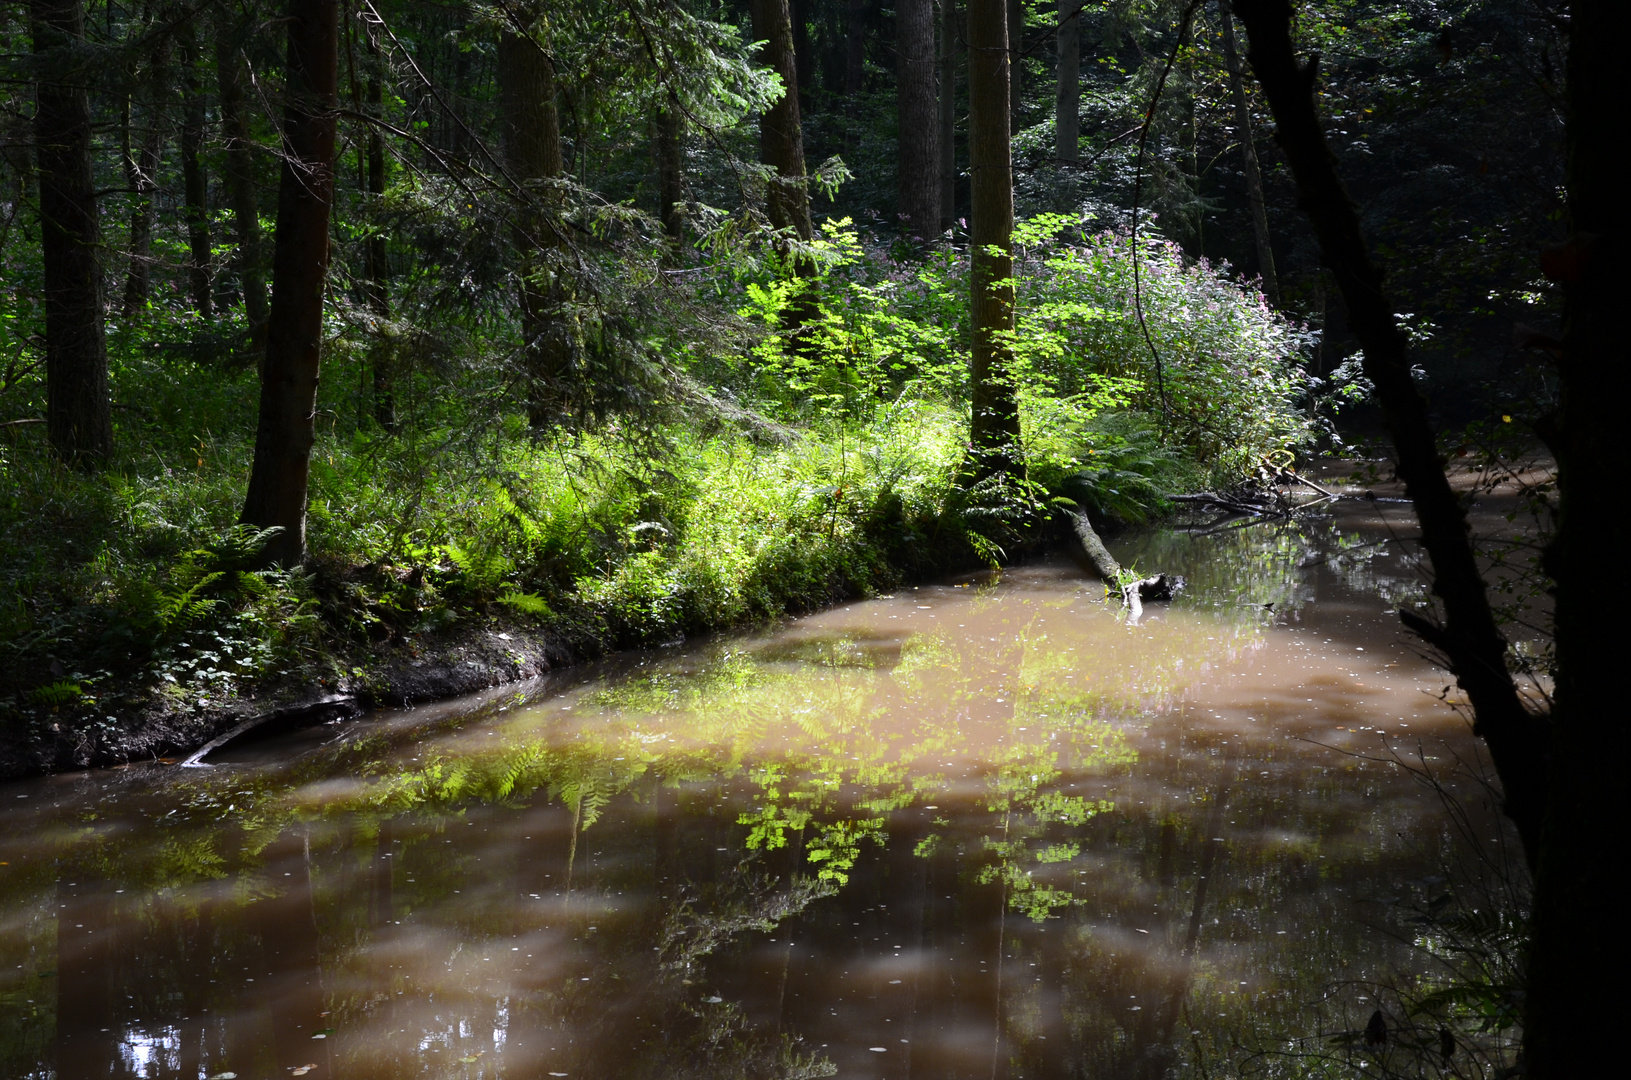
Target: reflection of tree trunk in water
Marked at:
85, 926
1001, 889
1157, 1022
789, 928
198, 951
929, 1061
909, 866
380, 905
541, 876
288, 932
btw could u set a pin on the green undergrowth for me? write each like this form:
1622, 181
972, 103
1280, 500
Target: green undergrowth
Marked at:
136, 588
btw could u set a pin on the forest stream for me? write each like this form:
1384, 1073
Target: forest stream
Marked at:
979, 828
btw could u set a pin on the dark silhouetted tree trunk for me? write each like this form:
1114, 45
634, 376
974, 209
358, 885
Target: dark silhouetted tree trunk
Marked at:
1067, 102
1248, 158
671, 171
856, 16
300, 258
781, 139
803, 55
1016, 67
532, 154
192, 173
1469, 636
141, 172
376, 266
1585, 839
948, 112
240, 184
994, 427
78, 414
919, 127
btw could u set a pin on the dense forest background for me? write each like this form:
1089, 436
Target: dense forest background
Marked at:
639, 319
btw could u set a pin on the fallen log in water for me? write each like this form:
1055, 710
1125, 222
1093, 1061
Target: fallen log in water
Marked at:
1133, 593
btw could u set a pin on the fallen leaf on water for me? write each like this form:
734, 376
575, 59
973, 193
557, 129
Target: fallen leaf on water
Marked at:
225, 1076
712, 1000
303, 1070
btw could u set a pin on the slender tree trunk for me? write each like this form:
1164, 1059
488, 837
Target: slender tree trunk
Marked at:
240, 184
1016, 66
1067, 100
1248, 157
192, 173
803, 55
300, 258
948, 112
141, 175
994, 427
919, 127
781, 145
855, 20
376, 266
79, 419
1584, 835
781, 139
532, 154
1469, 636
671, 171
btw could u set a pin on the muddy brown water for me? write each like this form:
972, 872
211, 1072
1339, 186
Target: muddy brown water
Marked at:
980, 828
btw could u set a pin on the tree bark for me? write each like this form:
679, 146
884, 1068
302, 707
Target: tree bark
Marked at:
240, 184
141, 174
195, 187
1584, 837
1469, 637
671, 171
376, 266
994, 426
532, 154
79, 419
1067, 102
919, 130
948, 113
1016, 66
1248, 158
781, 138
855, 20
300, 258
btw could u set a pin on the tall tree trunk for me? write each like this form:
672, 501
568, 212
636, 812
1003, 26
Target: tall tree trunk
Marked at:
192, 173
948, 112
781, 145
919, 128
1248, 157
1469, 636
855, 20
803, 55
1067, 100
300, 257
141, 174
994, 427
79, 419
1584, 836
532, 153
1016, 67
376, 267
240, 183
781, 138
671, 171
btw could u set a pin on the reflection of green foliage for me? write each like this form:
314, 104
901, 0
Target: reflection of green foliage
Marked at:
838, 845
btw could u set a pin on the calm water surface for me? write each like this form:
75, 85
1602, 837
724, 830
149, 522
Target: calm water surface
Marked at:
983, 828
